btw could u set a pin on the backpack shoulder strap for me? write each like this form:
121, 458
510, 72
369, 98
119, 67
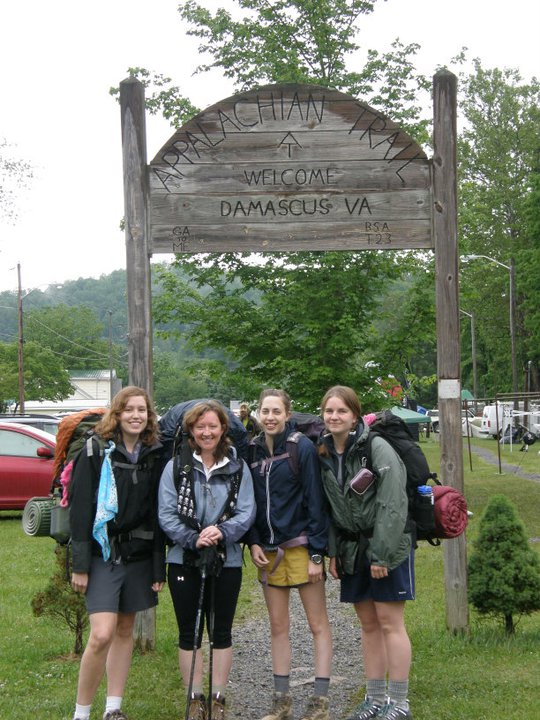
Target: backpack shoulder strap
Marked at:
89, 445
292, 450
232, 497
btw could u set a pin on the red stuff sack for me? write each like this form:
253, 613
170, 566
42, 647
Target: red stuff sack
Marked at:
451, 516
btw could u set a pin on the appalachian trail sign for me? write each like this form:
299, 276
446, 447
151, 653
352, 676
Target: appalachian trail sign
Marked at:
289, 167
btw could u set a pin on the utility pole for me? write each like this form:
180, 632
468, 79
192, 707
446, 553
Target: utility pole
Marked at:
110, 359
20, 354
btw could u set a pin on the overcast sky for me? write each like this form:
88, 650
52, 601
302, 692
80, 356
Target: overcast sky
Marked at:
58, 59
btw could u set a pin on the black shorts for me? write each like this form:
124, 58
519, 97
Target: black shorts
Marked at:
125, 588
398, 585
185, 586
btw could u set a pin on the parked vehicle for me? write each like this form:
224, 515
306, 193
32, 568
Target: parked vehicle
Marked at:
434, 415
48, 423
499, 411
26, 464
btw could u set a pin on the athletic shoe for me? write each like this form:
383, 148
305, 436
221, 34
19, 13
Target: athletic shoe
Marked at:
218, 707
367, 709
281, 707
197, 708
391, 711
115, 715
317, 708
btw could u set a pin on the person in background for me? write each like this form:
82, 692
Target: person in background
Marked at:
118, 549
250, 423
370, 548
205, 516
287, 544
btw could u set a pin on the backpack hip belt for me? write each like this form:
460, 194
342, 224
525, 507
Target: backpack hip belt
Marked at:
136, 534
280, 552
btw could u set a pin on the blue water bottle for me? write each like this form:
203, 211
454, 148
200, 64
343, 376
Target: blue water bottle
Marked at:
424, 512
426, 491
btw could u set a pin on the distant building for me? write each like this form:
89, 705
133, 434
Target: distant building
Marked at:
91, 388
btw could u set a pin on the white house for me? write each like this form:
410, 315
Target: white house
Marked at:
91, 388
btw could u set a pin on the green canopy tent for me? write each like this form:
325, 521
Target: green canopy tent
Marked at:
410, 416
466, 395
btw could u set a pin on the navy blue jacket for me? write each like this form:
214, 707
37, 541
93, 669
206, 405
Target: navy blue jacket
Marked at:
287, 506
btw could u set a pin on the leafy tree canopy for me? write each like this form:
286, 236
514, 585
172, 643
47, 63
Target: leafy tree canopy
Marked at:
45, 377
498, 162
73, 334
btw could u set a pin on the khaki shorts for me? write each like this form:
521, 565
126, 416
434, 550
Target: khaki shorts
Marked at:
292, 570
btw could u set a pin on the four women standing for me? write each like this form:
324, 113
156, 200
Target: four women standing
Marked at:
208, 501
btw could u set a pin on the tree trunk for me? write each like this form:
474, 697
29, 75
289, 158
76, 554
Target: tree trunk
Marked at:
509, 624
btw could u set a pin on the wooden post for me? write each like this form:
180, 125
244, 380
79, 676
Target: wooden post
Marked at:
20, 344
136, 229
448, 344
139, 298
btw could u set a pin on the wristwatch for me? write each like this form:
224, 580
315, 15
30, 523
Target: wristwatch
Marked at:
316, 558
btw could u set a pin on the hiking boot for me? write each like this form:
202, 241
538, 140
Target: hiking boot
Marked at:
218, 707
367, 709
197, 708
391, 711
115, 715
281, 707
317, 708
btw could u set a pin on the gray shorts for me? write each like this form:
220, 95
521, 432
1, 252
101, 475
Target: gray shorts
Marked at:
124, 588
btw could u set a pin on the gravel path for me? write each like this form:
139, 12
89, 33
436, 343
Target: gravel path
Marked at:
251, 684
514, 469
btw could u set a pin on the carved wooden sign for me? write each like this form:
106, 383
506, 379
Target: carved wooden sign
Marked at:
289, 167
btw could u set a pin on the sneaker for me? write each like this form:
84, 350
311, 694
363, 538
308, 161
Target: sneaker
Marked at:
281, 707
218, 707
391, 711
317, 709
197, 708
367, 709
115, 715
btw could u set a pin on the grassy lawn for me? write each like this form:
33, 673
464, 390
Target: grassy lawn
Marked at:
478, 677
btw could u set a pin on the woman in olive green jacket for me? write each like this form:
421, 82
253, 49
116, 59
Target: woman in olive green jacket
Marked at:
370, 548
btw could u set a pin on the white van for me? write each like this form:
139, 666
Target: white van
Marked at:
501, 411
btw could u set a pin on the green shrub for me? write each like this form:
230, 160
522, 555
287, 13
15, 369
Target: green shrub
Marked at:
61, 602
504, 572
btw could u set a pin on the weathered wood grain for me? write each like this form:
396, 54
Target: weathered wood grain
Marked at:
289, 167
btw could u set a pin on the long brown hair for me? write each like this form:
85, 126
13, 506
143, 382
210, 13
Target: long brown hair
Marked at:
109, 426
192, 416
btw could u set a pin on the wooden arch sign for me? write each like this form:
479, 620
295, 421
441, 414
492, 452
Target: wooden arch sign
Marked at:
289, 167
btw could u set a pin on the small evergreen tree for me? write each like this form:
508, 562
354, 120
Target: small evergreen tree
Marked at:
504, 572
60, 601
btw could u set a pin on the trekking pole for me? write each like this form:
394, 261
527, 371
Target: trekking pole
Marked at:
196, 635
211, 618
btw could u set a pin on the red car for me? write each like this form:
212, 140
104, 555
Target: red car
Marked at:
26, 464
